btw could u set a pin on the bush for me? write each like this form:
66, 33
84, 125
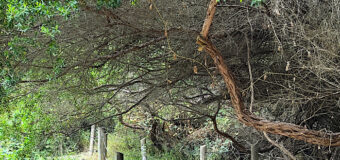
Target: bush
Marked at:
127, 141
22, 130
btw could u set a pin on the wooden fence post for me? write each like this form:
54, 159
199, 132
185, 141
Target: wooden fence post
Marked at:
61, 152
101, 149
203, 150
119, 156
93, 129
143, 148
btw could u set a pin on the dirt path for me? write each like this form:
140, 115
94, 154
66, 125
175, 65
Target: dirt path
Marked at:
80, 156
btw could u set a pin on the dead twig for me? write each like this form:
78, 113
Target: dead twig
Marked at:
281, 147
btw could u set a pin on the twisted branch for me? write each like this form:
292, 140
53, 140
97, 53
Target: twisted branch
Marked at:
246, 117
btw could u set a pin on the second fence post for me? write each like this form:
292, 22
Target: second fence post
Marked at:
101, 147
93, 129
143, 148
203, 151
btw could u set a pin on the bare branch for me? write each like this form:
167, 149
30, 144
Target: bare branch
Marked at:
282, 148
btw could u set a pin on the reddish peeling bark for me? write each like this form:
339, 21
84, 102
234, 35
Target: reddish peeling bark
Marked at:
249, 119
209, 18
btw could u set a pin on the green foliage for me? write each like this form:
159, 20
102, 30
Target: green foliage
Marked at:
22, 128
127, 144
133, 2
16, 52
50, 31
109, 3
127, 141
256, 2
216, 148
24, 14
